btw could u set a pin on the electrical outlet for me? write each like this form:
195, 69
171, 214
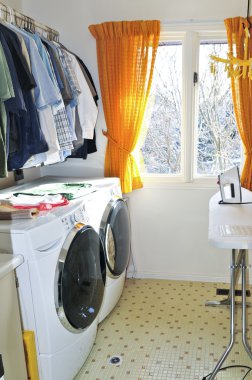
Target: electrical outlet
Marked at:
18, 174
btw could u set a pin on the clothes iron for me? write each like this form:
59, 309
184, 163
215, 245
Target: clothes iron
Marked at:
230, 186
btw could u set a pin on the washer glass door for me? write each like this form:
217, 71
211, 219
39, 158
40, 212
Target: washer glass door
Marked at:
117, 237
81, 279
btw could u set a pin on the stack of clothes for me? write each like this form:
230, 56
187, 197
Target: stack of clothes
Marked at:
42, 198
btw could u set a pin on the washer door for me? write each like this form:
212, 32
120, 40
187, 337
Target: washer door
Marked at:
80, 279
115, 232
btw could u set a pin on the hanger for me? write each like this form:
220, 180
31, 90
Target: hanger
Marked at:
26, 22
11, 14
3, 17
29, 25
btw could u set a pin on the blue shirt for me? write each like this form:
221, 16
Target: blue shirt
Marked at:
45, 92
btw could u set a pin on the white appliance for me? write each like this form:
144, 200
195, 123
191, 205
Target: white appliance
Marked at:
61, 283
113, 224
230, 186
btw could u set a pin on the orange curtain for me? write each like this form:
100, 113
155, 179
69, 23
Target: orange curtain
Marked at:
126, 53
241, 47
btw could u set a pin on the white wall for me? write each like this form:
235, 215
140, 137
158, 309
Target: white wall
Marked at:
169, 225
16, 4
170, 230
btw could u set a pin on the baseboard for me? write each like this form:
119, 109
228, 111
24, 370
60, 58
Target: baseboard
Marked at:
178, 277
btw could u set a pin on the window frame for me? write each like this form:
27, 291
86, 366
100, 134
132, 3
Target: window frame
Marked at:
190, 34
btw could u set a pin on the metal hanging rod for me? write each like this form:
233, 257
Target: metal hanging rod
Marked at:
9, 14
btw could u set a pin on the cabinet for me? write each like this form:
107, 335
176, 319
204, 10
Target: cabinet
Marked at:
11, 341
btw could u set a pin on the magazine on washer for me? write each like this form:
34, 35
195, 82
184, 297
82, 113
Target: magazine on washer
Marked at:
8, 212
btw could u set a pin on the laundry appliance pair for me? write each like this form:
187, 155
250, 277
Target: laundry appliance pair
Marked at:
112, 223
65, 283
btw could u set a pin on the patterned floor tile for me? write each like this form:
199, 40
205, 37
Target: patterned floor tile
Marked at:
162, 330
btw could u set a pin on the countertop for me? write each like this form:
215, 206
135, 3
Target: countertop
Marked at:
9, 262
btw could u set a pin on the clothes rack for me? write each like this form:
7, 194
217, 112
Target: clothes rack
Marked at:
9, 14
49, 108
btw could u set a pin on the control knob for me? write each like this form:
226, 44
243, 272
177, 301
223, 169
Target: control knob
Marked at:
80, 216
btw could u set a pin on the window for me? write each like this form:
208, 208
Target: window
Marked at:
162, 145
190, 130
218, 141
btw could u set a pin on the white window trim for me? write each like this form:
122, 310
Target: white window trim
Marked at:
190, 33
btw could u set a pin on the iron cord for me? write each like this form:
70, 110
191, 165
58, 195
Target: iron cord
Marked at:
231, 366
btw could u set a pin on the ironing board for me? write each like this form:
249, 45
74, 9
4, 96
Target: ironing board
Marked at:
230, 226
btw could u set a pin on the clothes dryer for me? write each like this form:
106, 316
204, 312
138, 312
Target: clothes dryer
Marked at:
61, 284
113, 223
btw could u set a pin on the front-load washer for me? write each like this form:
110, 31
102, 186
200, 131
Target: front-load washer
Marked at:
113, 223
61, 284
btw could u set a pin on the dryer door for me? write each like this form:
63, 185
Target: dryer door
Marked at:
80, 279
115, 232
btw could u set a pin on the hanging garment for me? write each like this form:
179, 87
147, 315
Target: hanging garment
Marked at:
52, 156
27, 138
59, 72
86, 107
86, 73
14, 106
88, 146
45, 93
70, 76
6, 92
45, 120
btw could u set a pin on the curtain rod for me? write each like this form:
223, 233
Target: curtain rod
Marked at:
27, 21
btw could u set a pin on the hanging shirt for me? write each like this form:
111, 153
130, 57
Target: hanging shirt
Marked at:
26, 78
25, 53
86, 108
70, 75
46, 94
88, 78
59, 71
28, 136
52, 156
89, 145
6, 92
86, 73
14, 106
45, 91
62, 122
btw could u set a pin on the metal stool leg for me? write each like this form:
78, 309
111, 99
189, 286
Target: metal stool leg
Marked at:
232, 316
244, 316
226, 301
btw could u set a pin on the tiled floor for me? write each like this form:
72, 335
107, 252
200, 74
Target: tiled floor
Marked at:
162, 331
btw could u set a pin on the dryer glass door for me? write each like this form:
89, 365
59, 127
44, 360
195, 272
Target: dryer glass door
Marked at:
81, 279
117, 237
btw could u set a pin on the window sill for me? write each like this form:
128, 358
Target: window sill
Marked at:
177, 182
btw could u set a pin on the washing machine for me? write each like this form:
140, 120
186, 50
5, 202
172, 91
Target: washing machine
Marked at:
112, 221
61, 284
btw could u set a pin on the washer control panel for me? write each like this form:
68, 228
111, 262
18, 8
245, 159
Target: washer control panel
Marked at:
78, 216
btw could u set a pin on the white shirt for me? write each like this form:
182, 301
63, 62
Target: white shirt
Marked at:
86, 108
